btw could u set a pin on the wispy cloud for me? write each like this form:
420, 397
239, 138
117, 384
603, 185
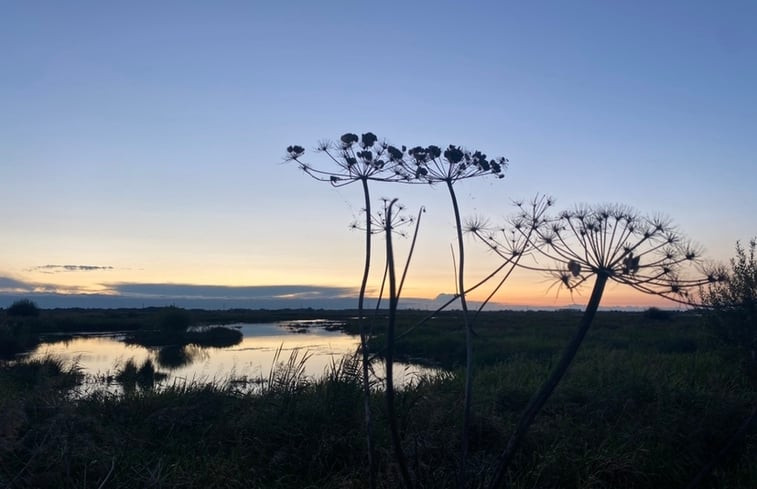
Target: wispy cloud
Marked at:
69, 268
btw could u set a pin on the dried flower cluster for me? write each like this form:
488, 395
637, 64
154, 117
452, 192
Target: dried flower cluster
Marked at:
356, 158
431, 164
397, 220
365, 157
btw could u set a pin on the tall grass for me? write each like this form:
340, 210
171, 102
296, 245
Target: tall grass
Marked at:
287, 377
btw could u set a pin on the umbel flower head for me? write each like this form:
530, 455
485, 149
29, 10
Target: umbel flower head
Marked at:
398, 220
644, 253
516, 239
432, 164
355, 158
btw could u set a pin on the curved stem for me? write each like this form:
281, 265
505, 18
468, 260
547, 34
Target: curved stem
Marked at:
389, 357
468, 337
544, 393
412, 248
364, 341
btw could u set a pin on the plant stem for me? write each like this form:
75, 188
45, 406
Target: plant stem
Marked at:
468, 337
541, 397
364, 341
389, 357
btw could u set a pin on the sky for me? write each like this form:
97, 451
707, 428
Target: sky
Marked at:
142, 144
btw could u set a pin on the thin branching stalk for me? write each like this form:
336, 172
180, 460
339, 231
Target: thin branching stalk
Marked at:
389, 357
372, 468
468, 395
378, 303
514, 247
412, 248
433, 165
357, 158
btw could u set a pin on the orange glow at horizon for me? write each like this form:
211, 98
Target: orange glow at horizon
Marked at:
527, 290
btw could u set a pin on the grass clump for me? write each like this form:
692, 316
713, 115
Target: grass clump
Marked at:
217, 336
32, 374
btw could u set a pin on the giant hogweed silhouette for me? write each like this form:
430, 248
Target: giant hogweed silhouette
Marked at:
606, 243
433, 165
391, 221
365, 159
357, 159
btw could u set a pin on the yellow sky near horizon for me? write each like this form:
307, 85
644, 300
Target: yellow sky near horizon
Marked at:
532, 289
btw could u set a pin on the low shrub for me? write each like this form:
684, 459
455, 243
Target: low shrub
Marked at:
23, 308
657, 314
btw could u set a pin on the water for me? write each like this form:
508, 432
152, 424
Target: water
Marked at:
101, 356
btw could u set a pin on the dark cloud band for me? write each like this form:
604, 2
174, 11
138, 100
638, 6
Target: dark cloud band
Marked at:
230, 292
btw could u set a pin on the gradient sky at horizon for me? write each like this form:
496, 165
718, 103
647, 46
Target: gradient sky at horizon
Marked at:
147, 138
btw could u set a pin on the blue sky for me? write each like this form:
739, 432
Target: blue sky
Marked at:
146, 138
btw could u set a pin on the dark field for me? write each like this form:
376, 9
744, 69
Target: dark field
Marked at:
648, 401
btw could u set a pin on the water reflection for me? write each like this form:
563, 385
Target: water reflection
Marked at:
103, 357
173, 357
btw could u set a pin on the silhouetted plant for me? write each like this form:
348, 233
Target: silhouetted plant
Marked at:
608, 243
23, 308
389, 220
733, 304
395, 221
732, 313
510, 244
358, 159
287, 378
382, 218
433, 165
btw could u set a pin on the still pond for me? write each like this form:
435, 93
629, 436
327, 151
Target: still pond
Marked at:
101, 356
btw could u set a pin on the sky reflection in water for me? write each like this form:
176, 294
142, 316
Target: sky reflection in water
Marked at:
100, 356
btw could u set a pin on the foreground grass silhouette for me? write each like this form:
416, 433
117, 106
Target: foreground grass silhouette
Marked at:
644, 405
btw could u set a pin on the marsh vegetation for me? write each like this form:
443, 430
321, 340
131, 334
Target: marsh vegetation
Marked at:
646, 403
